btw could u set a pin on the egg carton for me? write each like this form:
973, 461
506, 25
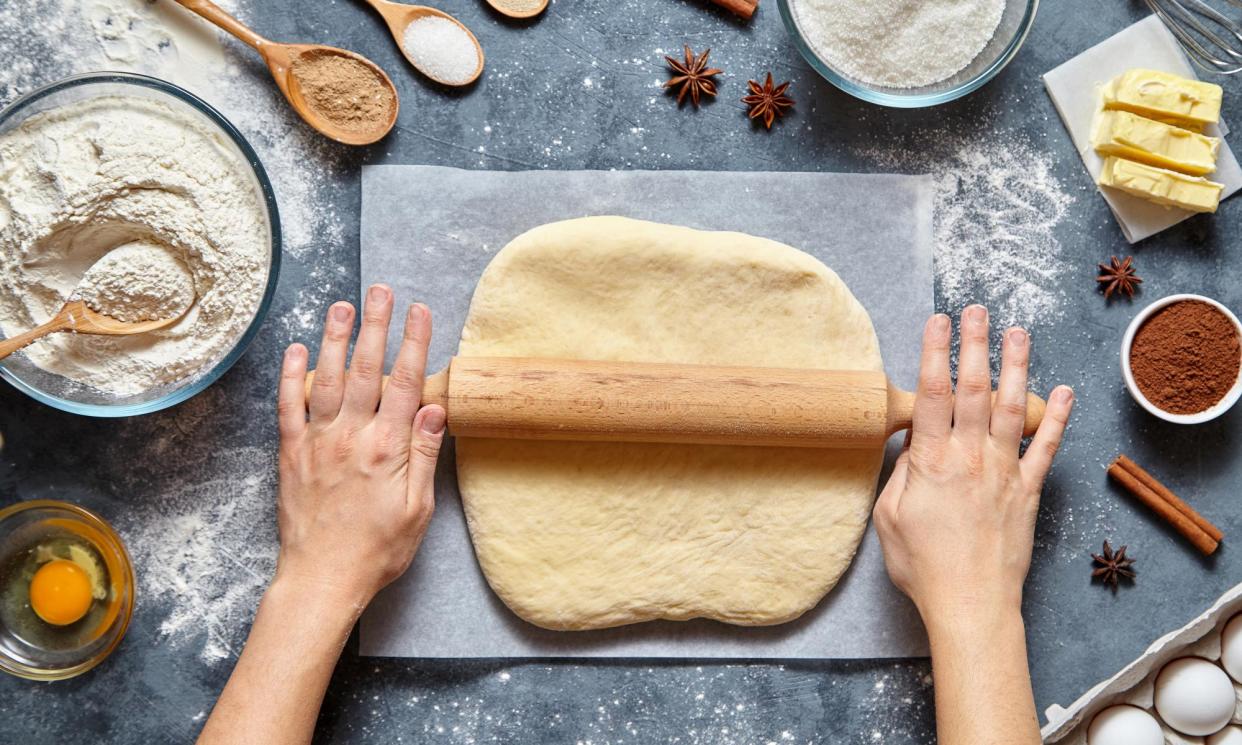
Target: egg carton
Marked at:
1135, 683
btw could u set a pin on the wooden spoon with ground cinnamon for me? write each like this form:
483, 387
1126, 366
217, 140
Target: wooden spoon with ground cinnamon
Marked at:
343, 95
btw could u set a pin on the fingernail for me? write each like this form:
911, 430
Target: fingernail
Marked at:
377, 294
295, 352
433, 421
340, 312
416, 311
1064, 394
940, 323
1018, 337
977, 314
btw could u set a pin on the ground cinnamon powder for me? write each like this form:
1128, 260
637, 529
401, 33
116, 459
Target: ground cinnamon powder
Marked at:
1186, 357
345, 91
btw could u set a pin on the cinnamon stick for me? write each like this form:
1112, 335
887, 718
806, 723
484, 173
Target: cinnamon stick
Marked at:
1166, 510
743, 8
1152, 483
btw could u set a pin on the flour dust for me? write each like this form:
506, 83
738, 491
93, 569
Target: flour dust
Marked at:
998, 206
207, 550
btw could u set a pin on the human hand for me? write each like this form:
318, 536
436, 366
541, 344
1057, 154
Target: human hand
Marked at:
957, 517
356, 477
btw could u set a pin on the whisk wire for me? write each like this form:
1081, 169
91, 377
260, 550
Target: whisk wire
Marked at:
1211, 39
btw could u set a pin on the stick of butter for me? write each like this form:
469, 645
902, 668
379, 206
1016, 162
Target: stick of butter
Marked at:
1165, 97
1170, 188
1155, 143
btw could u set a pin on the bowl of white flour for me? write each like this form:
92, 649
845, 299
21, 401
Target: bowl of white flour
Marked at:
124, 189
908, 53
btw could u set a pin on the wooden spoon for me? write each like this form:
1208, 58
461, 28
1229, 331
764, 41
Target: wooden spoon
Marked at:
399, 16
505, 8
77, 316
280, 59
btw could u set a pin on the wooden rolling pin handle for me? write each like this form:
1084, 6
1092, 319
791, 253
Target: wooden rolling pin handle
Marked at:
901, 411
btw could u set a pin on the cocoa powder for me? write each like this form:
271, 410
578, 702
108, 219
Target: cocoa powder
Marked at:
344, 90
1186, 357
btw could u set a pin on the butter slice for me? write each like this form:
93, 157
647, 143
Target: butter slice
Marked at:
1155, 143
1162, 186
1165, 97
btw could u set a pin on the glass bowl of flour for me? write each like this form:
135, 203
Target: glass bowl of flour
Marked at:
908, 53
146, 186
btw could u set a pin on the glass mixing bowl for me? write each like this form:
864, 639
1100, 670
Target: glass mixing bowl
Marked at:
1015, 24
69, 395
38, 652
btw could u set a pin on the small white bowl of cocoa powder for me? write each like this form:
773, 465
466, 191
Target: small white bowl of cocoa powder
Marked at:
1182, 359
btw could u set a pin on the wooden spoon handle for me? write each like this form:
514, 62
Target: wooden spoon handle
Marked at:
216, 15
9, 346
697, 404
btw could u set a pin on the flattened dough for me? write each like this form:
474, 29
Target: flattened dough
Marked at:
593, 535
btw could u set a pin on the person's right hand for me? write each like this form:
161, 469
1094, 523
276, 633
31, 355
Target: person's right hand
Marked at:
356, 476
957, 518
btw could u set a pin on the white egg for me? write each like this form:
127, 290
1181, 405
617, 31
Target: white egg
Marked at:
1194, 696
1124, 725
1228, 736
1231, 648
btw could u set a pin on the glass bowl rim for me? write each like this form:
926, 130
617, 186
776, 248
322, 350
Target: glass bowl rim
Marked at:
243, 342
881, 96
80, 513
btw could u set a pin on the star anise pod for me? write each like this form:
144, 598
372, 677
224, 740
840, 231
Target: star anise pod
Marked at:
692, 77
1119, 277
767, 101
1112, 566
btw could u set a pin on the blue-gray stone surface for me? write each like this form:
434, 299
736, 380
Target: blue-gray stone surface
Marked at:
578, 89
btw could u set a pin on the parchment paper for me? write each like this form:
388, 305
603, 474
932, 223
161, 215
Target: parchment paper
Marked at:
429, 232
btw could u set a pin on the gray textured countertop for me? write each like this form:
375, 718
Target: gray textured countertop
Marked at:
192, 488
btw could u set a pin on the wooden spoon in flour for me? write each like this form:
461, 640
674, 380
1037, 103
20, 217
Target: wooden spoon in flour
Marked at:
371, 109
78, 317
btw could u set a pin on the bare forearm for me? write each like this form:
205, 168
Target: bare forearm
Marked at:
278, 685
982, 682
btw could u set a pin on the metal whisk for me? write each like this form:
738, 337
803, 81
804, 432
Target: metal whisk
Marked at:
1211, 39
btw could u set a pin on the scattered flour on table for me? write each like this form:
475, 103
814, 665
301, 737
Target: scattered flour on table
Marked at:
206, 551
998, 206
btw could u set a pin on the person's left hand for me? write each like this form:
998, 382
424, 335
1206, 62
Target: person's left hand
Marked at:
356, 476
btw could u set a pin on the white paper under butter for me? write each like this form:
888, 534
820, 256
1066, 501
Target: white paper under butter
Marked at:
1074, 88
430, 232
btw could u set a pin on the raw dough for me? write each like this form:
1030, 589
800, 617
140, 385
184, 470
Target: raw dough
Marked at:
593, 535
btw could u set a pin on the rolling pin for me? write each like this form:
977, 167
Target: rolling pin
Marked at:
541, 399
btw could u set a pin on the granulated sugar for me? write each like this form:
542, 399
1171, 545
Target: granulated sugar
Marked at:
899, 43
441, 48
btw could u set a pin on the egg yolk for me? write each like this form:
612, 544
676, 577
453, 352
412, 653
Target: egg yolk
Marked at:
60, 592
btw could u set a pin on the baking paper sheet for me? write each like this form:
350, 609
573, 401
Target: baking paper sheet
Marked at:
429, 232
1074, 89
